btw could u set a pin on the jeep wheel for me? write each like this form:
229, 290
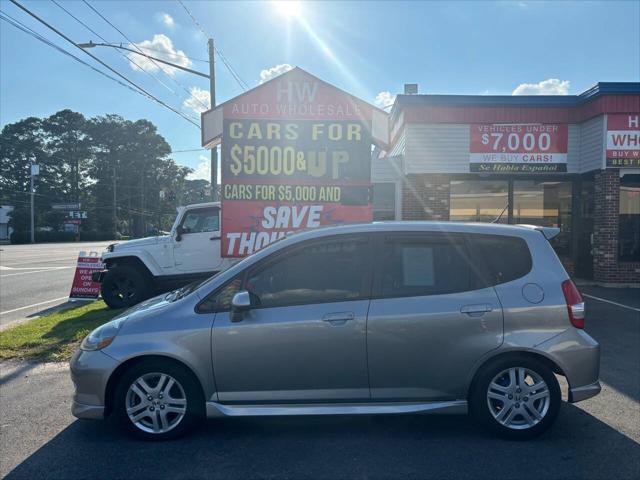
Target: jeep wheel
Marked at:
124, 286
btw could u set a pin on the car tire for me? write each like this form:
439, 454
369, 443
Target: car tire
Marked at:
124, 286
511, 409
175, 408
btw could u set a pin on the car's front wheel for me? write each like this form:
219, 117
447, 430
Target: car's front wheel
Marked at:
123, 286
158, 399
516, 397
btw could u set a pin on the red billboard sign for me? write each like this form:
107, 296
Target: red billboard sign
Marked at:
623, 140
296, 154
504, 148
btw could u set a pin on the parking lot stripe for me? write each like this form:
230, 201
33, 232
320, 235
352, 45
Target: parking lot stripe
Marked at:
611, 302
48, 269
35, 305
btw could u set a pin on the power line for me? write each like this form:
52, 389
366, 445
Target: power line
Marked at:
224, 59
7, 18
119, 52
190, 150
144, 54
173, 54
149, 95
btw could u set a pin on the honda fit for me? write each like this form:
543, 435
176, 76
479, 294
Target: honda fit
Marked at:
391, 318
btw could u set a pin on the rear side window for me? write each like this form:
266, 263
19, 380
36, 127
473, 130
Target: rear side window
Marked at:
417, 266
501, 258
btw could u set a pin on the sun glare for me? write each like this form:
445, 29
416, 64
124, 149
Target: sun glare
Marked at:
288, 8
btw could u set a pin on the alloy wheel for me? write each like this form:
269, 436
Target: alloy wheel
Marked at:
156, 403
518, 398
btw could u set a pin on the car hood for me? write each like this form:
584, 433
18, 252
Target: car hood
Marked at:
139, 242
144, 309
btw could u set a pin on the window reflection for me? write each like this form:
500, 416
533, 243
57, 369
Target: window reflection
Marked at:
478, 200
545, 203
629, 229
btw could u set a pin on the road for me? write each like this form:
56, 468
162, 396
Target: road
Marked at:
37, 277
595, 439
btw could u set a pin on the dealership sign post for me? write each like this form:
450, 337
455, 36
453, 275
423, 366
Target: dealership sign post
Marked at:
510, 148
296, 154
623, 140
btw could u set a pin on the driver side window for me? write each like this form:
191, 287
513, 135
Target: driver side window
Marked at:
334, 270
199, 221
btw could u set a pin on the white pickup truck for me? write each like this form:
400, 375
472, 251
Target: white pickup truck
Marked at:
138, 269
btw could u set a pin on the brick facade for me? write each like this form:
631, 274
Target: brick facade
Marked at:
425, 197
606, 268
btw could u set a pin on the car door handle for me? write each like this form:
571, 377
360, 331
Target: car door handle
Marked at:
338, 318
476, 310
215, 238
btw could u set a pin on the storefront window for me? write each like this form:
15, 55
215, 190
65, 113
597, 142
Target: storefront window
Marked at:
478, 200
384, 201
545, 203
629, 223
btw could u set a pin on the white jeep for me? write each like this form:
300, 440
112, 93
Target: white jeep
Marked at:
138, 269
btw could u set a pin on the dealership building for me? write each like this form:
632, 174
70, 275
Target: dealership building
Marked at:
571, 162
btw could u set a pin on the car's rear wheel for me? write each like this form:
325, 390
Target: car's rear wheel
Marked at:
158, 399
516, 397
124, 286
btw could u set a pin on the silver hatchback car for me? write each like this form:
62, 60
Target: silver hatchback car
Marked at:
414, 317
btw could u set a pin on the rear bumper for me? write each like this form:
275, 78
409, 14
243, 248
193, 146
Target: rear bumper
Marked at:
582, 393
578, 356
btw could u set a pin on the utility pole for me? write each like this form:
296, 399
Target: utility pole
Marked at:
115, 207
214, 150
35, 169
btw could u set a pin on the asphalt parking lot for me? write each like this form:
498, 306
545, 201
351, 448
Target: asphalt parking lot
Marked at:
598, 438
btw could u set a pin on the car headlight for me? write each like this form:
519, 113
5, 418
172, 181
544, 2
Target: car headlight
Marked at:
102, 336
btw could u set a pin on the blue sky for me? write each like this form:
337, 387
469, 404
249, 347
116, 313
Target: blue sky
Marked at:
363, 47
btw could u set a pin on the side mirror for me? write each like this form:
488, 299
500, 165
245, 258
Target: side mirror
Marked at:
179, 232
240, 303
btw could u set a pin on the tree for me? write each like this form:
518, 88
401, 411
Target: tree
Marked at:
114, 167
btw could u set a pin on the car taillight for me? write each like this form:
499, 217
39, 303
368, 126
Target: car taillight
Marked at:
575, 303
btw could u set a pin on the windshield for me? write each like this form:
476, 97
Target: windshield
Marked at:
182, 292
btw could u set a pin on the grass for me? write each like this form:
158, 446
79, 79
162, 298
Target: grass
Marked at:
53, 337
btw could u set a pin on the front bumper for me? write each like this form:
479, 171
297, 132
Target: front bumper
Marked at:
98, 276
90, 372
93, 412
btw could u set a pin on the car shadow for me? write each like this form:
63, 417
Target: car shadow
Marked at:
578, 446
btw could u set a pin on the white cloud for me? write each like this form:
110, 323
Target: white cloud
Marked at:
202, 170
273, 72
160, 47
384, 99
199, 101
551, 86
166, 19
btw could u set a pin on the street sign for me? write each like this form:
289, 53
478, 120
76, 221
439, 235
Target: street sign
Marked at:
76, 214
65, 206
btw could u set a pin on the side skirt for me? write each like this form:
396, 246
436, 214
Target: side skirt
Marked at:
215, 409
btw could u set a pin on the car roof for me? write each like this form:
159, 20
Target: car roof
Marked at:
422, 226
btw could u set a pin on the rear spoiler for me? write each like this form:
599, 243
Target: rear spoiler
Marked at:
548, 232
